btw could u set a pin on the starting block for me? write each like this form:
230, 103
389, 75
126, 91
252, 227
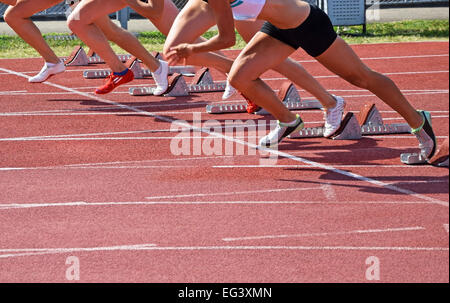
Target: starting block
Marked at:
440, 159
288, 94
201, 83
177, 88
78, 57
139, 73
368, 123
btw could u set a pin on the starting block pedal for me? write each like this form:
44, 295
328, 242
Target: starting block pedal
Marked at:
440, 159
78, 57
368, 123
201, 83
177, 88
134, 64
287, 93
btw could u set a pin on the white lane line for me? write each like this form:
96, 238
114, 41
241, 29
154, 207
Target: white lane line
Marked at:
243, 136
368, 231
200, 203
340, 166
145, 247
273, 152
8, 253
283, 190
300, 61
105, 167
388, 58
446, 227
387, 74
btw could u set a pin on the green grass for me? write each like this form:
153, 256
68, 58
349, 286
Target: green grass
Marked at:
403, 31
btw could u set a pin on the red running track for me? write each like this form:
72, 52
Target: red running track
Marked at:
95, 178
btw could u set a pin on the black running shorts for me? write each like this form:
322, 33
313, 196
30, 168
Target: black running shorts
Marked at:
315, 35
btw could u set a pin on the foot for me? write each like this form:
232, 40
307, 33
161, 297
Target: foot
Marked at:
333, 117
426, 137
160, 77
47, 71
230, 91
280, 132
251, 106
114, 81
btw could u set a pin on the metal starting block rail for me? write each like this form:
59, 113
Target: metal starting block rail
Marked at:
139, 73
78, 57
368, 123
201, 83
288, 94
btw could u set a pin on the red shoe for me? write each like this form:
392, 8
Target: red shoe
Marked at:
251, 107
114, 81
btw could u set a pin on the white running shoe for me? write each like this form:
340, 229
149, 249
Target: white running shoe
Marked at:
333, 117
47, 71
280, 132
162, 83
229, 91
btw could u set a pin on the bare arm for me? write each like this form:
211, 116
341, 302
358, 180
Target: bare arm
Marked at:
224, 39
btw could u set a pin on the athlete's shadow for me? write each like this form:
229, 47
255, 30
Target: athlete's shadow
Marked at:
355, 152
397, 185
152, 106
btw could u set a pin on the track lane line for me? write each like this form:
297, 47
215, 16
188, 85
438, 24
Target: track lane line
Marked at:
325, 234
273, 152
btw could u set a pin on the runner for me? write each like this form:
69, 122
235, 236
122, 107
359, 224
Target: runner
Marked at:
161, 13
18, 18
291, 24
197, 17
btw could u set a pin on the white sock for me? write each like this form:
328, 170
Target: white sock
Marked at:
51, 64
159, 70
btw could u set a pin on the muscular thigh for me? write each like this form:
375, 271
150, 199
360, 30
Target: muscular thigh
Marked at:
193, 20
163, 22
248, 29
261, 54
27, 8
90, 10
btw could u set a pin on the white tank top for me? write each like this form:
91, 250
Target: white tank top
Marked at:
247, 9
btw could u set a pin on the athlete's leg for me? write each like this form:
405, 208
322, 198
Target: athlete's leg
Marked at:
261, 54
289, 68
126, 41
194, 20
81, 22
18, 17
343, 61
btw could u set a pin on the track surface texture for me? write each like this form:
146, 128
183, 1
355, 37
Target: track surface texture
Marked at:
95, 178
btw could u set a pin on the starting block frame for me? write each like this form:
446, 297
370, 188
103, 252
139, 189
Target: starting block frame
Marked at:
78, 57
201, 83
368, 123
134, 64
440, 158
288, 94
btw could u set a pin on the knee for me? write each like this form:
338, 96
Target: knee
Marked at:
73, 23
12, 15
240, 78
